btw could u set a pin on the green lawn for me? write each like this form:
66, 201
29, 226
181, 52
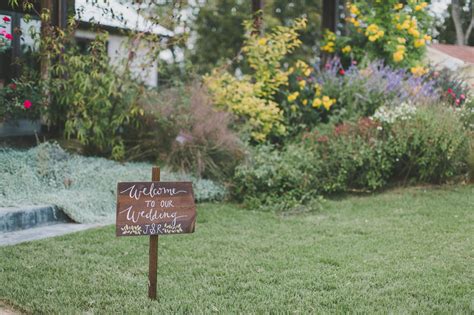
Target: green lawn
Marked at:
406, 250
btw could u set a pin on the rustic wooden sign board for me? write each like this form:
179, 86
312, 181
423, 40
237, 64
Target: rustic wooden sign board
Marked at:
155, 208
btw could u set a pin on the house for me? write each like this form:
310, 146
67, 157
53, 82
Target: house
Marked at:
453, 57
109, 15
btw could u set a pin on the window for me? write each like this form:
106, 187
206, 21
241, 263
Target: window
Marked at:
6, 39
18, 37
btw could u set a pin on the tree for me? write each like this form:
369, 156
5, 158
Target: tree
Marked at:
219, 31
462, 36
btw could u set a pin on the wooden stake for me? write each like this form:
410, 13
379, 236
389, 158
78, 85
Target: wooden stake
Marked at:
153, 251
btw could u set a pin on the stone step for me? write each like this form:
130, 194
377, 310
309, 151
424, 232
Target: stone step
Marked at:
37, 233
21, 218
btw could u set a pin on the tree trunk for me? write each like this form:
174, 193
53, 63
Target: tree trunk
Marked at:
330, 14
471, 25
456, 15
257, 8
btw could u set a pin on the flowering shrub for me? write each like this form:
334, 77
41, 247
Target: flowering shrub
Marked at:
335, 93
389, 115
251, 97
304, 100
387, 30
426, 145
20, 99
454, 89
5, 36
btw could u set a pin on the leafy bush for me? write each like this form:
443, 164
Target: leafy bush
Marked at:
96, 102
432, 146
387, 30
181, 128
251, 97
426, 145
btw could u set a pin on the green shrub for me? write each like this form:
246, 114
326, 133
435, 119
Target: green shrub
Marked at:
426, 145
429, 147
92, 102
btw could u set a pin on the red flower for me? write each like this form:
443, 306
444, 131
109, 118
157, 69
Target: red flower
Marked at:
342, 72
9, 36
12, 86
27, 104
6, 19
450, 91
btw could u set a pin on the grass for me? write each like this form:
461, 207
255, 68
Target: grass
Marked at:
407, 250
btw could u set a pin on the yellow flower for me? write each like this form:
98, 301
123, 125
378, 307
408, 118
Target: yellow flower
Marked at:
317, 90
373, 32
353, 9
356, 23
293, 96
418, 8
398, 6
291, 70
398, 56
419, 43
401, 40
427, 38
347, 49
328, 102
414, 32
329, 47
305, 102
418, 71
300, 64
372, 28
317, 102
262, 41
307, 72
424, 4
401, 48
302, 84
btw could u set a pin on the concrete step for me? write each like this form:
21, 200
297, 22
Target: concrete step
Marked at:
37, 233
21, 218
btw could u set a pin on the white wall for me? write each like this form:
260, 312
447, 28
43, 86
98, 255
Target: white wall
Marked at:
143, 69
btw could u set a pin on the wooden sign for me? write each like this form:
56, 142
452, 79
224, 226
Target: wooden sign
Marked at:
155, 208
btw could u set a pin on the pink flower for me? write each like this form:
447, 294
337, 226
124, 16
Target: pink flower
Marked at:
9, 36
458, 101
450, 91
6, 19
462, 96
342, 72
27, 104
